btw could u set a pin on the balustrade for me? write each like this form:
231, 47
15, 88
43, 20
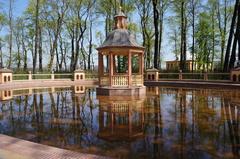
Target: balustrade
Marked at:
120, 80
104, 81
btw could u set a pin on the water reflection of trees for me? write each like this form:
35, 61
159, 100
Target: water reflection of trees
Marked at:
62, 119
200, 122
174, 122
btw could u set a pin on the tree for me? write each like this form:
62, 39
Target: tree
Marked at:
223, 15
163, 5
55, 11
156, 32
183, 35
10, 21
193, 7
229, 44
235, 41
180, 7
2, 24
174, 36
77, 26
144, 11
204, 45
212, 12
36, 36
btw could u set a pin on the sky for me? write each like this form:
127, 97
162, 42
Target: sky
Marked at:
18, 8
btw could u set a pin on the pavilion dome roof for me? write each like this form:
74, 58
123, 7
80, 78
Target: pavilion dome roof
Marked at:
5, 70
120, 38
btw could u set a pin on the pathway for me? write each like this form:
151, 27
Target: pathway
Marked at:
13, 148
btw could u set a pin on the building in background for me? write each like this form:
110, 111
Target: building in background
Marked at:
175, 66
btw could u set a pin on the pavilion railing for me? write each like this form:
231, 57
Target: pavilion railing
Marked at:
210, 76
120, 107
120, 80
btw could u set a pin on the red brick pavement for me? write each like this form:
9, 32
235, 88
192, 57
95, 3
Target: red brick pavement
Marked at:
38, 151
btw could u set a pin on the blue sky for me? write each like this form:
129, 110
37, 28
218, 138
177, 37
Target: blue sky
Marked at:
18, 8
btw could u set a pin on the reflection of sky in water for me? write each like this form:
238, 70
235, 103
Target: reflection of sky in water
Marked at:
169, 123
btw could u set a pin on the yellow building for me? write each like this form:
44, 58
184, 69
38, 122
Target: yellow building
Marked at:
175, 65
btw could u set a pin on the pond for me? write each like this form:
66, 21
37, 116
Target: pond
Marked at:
166, 123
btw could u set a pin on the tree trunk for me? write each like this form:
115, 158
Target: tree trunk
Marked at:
90, 45
36, 38
24, 50
236, 40
62, 53
1, 55
183, 37
83, 54
233, 55
40, 50
10, 33
72, 50
238, 49
160, 38
156, 32
193, 34
229, 44
213, 41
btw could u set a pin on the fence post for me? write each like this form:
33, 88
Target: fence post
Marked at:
29, 75
180, 75
205, 76
52, 75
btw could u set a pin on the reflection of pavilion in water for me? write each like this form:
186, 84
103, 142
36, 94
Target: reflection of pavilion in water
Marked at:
120, 119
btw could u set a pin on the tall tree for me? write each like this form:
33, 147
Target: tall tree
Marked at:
145, 12
204, 45
180, 9
193, 7
2, 23
56, 11
183, 48
156, 32
36, 37
229, 44
235, 41
10, 24
163, 5
222, 18
174, 36
212, 12
77, 27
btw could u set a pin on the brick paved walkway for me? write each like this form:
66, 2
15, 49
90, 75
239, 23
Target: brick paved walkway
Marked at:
13, 148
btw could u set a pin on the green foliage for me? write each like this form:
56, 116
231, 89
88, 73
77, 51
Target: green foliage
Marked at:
203, 36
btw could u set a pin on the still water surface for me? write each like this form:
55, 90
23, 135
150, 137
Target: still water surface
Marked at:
166, 123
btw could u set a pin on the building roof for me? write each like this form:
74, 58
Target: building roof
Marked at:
79, 71
178, 61
236, 69
120, 38
120, 14
5, 70
152, 70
